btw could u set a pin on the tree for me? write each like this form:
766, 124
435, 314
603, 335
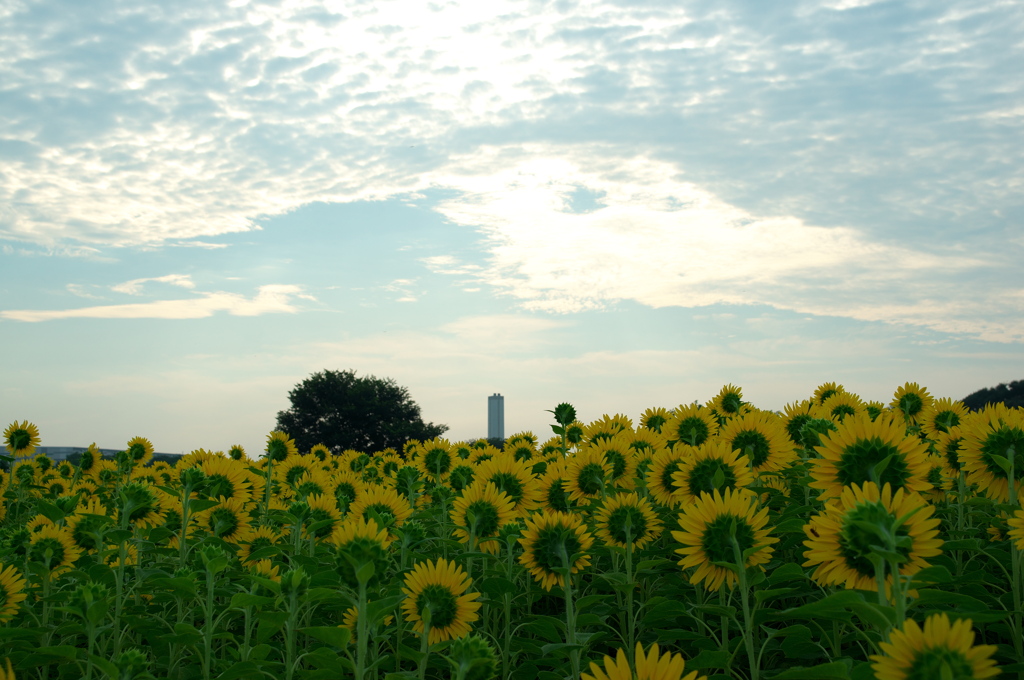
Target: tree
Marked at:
341, 411
1011, 394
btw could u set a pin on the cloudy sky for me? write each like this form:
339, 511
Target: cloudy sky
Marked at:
621, 204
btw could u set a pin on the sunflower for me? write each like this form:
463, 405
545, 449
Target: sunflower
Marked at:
351, 617
140, 505
708, 526
255, 540
90, 457
86, 522
525, 436
553, 496
229, 520
994, 431
627, 518
762, 439
388, 463
911, 401
21, 439
514, 478
317, 483
347, 487
323, 511
280, 447
649, 666
360, 541
9, 673
1016, 525
861, 449
549, 540
839, 546
384, 503
225, 478
664, 466
606, 427
12, 592
357, 461
266, 569
291, 471
521, 450
618, 454
480, 512
841, 406
826, 390
140, 450
655, 418
875, 409
195, 458
728, 402
462, 476
588, 474
692, 425
54, 548
943, 649
716, 466
440, 589
436, 459
938, 479
942, 415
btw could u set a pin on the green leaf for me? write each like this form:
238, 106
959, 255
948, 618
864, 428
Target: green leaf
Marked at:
709, 659
378, 609
242, 600
835, 607
497, 586
49, 510
837, 670
199, 504
242, 669
559, 648
332, 635
180, 586
105, 665
270, 623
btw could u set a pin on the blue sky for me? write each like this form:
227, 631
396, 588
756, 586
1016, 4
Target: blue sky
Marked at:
619, 204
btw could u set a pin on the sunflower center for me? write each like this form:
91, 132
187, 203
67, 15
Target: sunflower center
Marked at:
294, 474
219, 485
627, 524
952, 453
856, 542
702, 477
935, 477
945, 420
442, 603
754, 445
461, 477
825, 395
19, 439
84, 530
940, 662
731, 403
840, 411
857, 464
617, 461
523, 453
223, 522
551, 544
345, 493
795, 427
49, 551
137, 451
277, 450
383, 510
510, 484
910, 403
693, 430
318, 515
486, 517
666, 476
309, 488
655, 422
557, 498
1007, 442
359, 462
716, 540
590, 479
437, 461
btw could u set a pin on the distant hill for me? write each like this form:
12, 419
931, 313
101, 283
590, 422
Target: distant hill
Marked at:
1011, 394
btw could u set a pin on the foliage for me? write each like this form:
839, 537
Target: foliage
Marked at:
1011, 394
343, 411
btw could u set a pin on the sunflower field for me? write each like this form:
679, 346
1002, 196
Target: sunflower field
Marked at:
836, 539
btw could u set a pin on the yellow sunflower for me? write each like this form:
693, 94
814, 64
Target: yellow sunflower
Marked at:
521, 450
229, 520
839, 547
911, 401
862, 450
664, 466
12, 592
89, 458
280, 447
255, 540
196, 457
708, 525
762, 439
389, 462
649, 666
436, 459
225, 478
140, 450
141, 503
942, 415
622, 459
360, 541
795, 415
947, 444
826, 390
318, 482
994, 431
266, 569
728, 402
549, 540
347, 486
290, 471
514, 477
553, 496
715, 466
940, 482
692, 425
841, 406
324, 514
440, 588
386, 503
524, 436
942, 649
351, 617
588, 474
627, 518
54, 548
655, 418
479, 513
86, 522
1016, 532
21, 439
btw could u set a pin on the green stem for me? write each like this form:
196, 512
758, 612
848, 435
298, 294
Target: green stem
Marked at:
290, 630
570, 615
361, 632
748, 621
424, 643
208, 625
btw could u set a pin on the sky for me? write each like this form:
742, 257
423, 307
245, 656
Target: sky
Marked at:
620, 204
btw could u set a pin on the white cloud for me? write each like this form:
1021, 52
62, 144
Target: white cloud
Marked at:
270, 299
134, 287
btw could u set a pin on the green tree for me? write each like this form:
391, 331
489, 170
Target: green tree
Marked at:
1011, 394
342, 411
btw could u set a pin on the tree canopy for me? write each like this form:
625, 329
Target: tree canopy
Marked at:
343, 411
1011, 394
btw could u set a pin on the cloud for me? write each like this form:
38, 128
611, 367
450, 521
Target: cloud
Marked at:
269, 299
134, 287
